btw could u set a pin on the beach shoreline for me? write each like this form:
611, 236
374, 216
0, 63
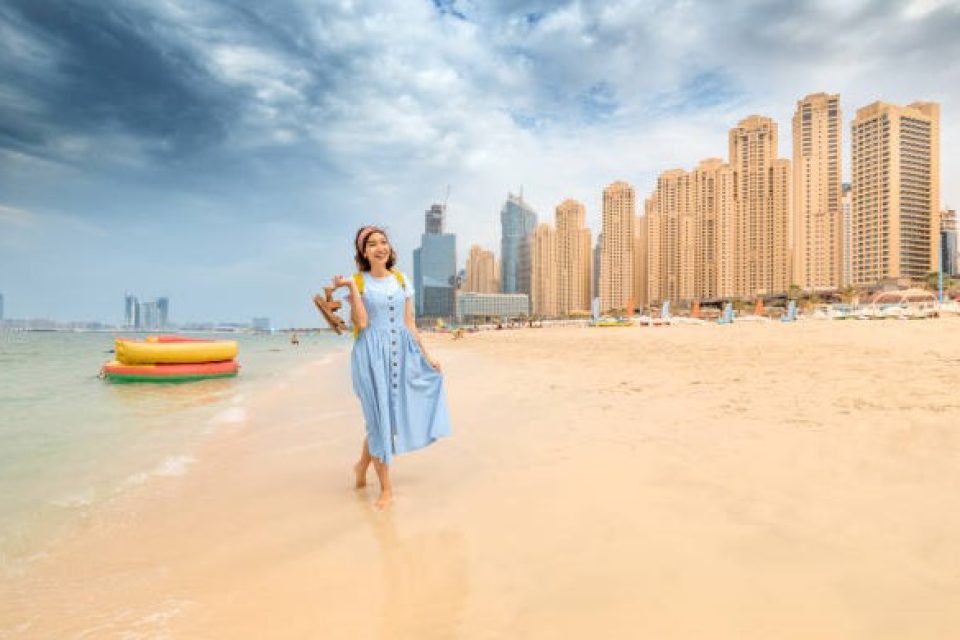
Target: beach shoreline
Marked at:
749, 481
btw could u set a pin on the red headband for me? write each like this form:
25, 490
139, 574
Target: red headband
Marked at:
364, 234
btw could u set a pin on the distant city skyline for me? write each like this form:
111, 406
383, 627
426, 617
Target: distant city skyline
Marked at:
185, 148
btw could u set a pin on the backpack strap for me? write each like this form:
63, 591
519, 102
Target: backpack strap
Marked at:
400, 278
358, 278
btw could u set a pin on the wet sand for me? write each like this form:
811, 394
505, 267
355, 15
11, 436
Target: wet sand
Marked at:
751, 481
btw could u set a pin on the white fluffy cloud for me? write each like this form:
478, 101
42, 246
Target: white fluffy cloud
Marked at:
326, 115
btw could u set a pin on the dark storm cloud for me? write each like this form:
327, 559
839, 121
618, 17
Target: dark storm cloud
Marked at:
106, 70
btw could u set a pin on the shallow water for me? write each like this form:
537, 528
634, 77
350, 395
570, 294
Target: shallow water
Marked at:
69, 441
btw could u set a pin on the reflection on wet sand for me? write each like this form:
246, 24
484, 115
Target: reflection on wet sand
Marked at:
425, 578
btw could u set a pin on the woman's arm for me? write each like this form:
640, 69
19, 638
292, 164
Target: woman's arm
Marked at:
358, 312
408, 319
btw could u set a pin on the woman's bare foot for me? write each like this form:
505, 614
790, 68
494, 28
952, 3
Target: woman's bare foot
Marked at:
385, 499
360, 470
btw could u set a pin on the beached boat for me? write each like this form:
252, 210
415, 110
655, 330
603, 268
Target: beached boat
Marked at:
191, 352
120, 372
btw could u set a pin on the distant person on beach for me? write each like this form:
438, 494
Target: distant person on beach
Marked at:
399, 384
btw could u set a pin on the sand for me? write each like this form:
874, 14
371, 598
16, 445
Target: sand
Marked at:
749, 481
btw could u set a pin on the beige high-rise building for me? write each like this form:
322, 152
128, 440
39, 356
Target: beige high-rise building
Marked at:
817, 240
482, 271
674, 236
714, 209
689, 221
762, 221
846, 208
640, 262
616, 267
544, 271
654, 235
895, 196
586, 256
573, 258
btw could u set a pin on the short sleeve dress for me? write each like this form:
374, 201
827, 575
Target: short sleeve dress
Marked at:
403, 400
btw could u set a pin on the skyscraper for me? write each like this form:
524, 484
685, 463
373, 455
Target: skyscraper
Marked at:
670, 204
640, 261
482, 272
817, 213
517, 221
896, 191
616, 267
847, 213
597, 253
163, 312
762, 220
586, 255
435, 267
544, 281
714, 207
948, 246
435, 218
573, 258
130, 311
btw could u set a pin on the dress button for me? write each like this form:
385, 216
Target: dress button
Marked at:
394, 385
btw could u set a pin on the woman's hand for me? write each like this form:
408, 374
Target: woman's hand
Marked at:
434, 363
340, 281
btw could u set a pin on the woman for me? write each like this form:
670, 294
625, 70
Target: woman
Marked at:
399, 385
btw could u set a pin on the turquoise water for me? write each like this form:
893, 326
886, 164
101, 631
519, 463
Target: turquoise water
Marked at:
70, 441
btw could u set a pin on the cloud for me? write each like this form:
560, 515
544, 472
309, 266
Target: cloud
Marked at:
161, 117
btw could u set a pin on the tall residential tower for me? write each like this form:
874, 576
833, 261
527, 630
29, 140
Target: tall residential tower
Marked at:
616, 266
896, 191
817, 198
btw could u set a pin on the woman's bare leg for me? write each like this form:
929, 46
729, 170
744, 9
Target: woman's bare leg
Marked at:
360, 469
386, 489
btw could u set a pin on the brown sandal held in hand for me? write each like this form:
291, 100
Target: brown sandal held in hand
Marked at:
328, 308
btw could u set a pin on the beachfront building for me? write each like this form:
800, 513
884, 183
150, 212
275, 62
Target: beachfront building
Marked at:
597, 253
482, 273
670, 211
688, 246
146, 316
616, 258
640, 260
544, 270
486, 307
435, 218
949, 255
761, 229
846, 213
130, 309
817, 262
435, 267
517, 221
896, 191
573, 258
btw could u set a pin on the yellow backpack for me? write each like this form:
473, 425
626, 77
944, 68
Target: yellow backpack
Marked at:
358, 278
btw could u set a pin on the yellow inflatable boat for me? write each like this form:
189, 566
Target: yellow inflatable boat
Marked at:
133, 352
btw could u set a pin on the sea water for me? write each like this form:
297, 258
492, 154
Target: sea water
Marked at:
69, 440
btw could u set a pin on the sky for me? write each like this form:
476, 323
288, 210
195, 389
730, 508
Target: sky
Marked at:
223, 153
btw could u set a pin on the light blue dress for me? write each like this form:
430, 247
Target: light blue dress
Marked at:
402, 396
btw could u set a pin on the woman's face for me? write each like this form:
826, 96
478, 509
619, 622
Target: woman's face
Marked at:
377, 249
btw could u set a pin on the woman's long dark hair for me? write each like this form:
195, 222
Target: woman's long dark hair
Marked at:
362, 263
